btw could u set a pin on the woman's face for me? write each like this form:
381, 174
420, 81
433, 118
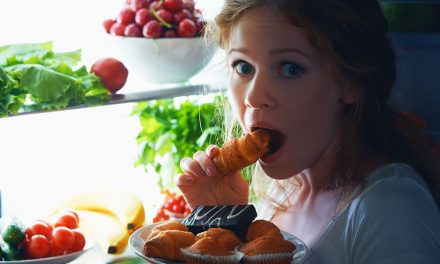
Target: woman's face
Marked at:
280, 82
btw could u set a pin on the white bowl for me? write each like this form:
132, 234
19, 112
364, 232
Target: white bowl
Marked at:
164, 60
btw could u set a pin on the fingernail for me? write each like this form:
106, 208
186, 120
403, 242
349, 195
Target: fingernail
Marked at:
211, 171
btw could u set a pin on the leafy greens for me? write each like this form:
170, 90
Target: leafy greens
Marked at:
173, 129
34, 77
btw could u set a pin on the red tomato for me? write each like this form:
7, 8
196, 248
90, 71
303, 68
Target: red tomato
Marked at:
74, 213
56, 251
67, 219
80, 241
112, 72
63, 237
39, 227
38, 246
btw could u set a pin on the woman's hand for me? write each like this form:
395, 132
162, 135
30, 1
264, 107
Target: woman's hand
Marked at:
201, 185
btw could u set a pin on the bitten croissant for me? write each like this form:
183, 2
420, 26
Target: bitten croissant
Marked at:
242, 152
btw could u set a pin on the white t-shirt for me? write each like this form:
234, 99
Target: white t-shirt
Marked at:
395, 220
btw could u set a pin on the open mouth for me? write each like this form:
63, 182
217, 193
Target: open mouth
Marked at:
276, 139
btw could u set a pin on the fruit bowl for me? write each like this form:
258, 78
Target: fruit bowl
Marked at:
163, 60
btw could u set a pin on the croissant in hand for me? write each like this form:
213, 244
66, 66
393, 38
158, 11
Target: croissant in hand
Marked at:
242, 152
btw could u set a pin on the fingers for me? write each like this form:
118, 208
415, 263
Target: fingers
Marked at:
191, 167
212, 151
206, 163
183, 180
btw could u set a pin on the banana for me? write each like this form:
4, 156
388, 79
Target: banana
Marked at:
124, 205
104, 229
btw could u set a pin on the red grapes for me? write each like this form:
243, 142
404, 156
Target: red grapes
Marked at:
157, 19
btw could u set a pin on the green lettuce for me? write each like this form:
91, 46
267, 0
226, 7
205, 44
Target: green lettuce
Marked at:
34, 77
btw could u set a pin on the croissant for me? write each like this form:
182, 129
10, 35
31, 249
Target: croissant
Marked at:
168, 225
242, 152
167, 244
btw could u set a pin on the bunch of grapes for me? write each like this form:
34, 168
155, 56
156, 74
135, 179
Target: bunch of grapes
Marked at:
174, 207
157, 19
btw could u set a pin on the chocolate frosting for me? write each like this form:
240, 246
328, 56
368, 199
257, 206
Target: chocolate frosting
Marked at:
236, 218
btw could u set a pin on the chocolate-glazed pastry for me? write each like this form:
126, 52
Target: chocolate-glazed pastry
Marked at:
236, 218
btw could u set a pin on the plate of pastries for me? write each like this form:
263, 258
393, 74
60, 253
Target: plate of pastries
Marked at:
217, 234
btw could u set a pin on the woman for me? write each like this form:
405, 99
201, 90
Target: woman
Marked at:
349, 178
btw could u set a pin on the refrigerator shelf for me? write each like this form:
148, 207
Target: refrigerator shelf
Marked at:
159, 92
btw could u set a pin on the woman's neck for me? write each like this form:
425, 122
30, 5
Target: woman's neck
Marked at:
318, 180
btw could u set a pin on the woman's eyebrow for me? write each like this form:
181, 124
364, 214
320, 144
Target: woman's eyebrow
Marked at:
288, 50
272, 52
241, 50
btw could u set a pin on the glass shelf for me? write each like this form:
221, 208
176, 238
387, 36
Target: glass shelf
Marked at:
159, 92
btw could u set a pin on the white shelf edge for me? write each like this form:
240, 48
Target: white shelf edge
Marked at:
160, 93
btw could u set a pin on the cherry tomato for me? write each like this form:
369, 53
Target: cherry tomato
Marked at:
38, 246
80, 241
67, 219
39, 227
74, 213
187, 210
177, 208
63, 237
56, 251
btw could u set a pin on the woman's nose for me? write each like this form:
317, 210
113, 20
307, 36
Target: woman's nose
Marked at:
259, 92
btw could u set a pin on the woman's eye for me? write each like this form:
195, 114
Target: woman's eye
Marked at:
243, 67
291, 70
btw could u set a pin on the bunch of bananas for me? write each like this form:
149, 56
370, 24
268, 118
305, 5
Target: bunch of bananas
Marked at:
108, 217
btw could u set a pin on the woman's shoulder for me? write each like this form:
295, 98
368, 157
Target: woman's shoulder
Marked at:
394, 212
395, 185
393, 172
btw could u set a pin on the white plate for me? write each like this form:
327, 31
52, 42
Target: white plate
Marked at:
138, 238
55, 260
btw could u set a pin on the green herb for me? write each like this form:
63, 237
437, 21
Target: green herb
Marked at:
34, 77
176, 128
